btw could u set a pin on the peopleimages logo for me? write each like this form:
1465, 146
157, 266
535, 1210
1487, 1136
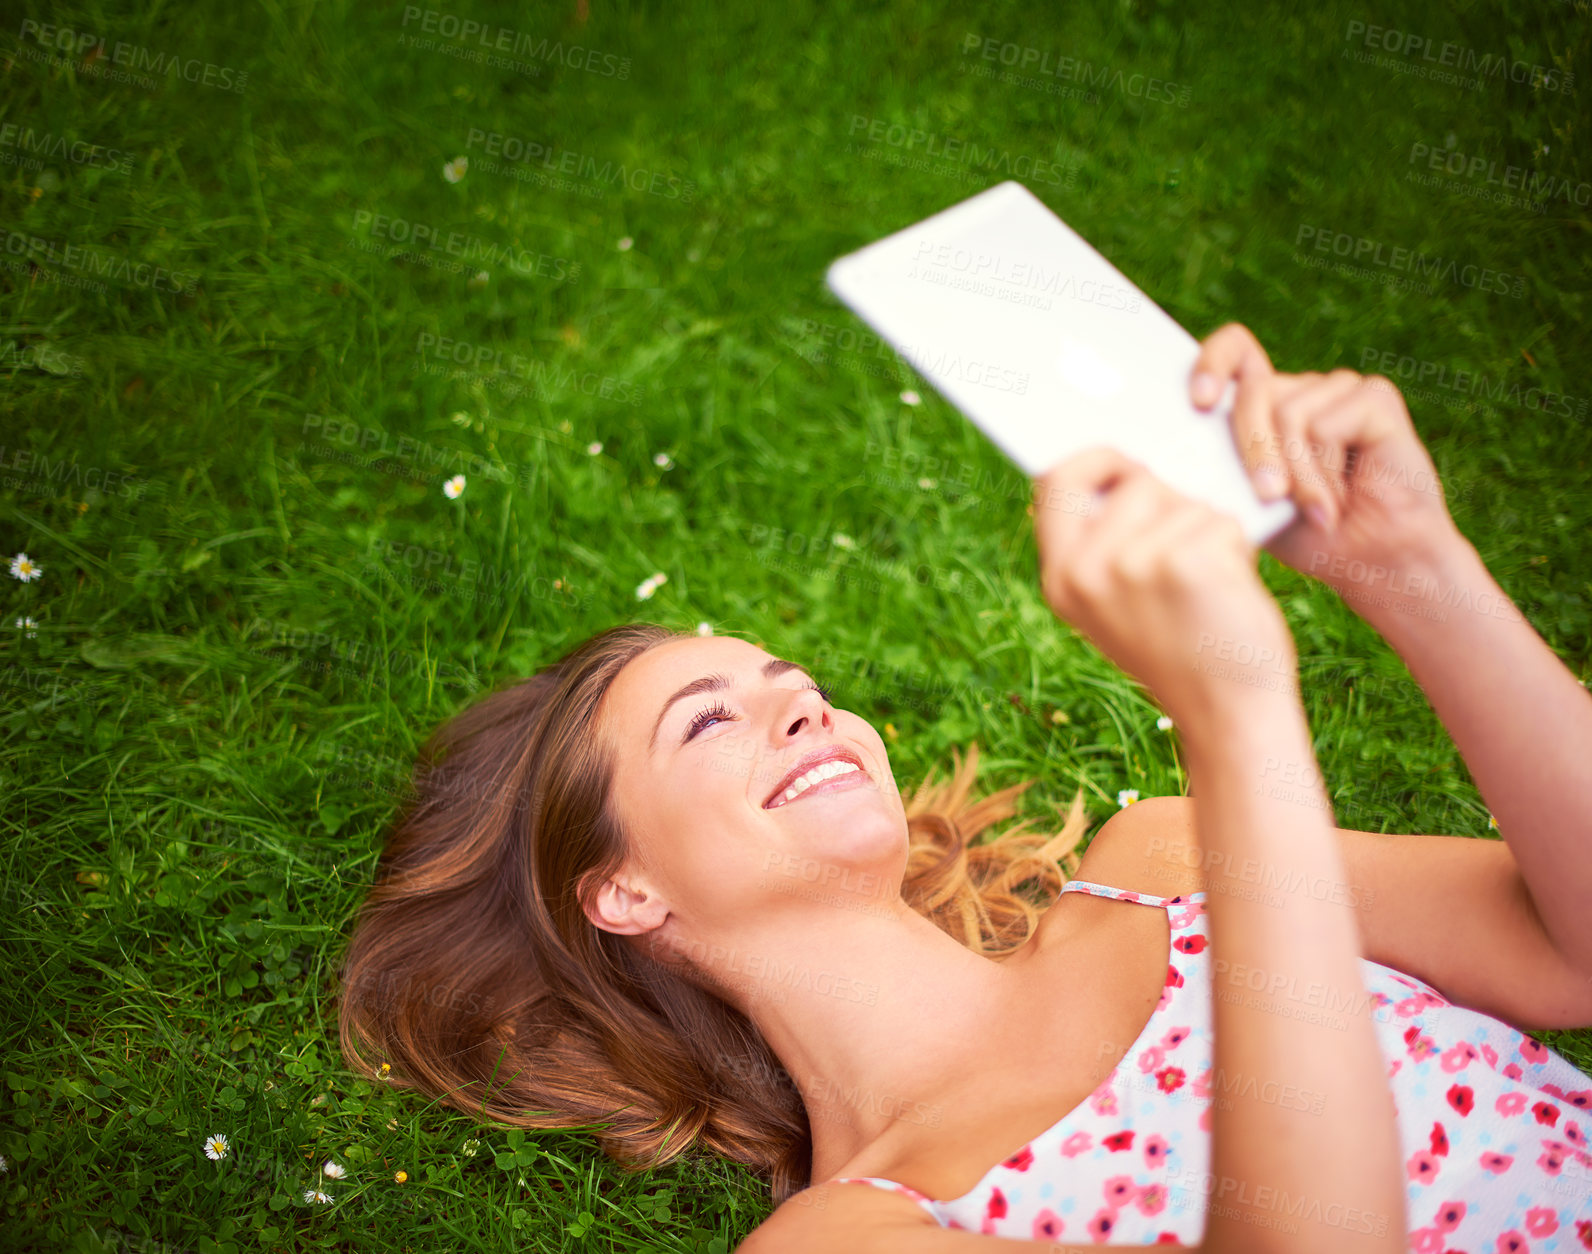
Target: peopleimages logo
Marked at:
506, 39
1484, 65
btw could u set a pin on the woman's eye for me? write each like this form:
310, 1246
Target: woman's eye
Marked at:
704, 718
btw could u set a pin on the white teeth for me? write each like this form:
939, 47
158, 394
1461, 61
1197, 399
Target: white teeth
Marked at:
826, 770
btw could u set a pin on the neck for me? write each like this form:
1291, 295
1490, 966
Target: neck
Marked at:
873, 1010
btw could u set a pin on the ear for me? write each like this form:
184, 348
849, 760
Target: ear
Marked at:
624, 905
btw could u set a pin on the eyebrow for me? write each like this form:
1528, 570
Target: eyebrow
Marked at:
714, 683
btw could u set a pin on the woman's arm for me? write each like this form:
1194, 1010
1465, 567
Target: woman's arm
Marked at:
1519, 717
1375, 528
1289, 1005
1167, 589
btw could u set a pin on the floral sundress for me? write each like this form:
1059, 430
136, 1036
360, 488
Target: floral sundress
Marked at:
1492, 1126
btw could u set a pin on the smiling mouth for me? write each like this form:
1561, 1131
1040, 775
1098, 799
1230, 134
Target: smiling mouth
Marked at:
831, 770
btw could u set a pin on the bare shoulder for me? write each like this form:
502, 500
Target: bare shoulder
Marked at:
815, 1219
1149, 847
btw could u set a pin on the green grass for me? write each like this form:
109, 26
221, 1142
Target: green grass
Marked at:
234, 661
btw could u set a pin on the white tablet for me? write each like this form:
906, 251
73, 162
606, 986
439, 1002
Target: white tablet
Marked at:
1048, 348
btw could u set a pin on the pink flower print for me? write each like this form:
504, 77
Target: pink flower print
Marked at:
1491, 1055
1513, 1071
1510, 1103
1581, 1099
1422, 1167
1541, 1221
1183, 918
1120, 1191
1534, 1052
1462, 1098
1048, 1225
1173, 978
1449, 1215
1497, 1163
1175, 1037
1151, 1199
1076, 1144
1205, 1120
1127, 896
1165, 1001
1022, 1160
1155, 1152
1151, 1058
1170, 1079
1419, 1046
994, 1209
1101, 1225
1409, 1006
1103, 1101
1512, 1243
1552, 1161
1426, 1241
1458, 1057
1202, 1084
1573, 1133
1393, 1067
1546, 1112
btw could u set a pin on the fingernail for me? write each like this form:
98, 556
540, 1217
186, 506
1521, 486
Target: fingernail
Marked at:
1204, 388
1269, 485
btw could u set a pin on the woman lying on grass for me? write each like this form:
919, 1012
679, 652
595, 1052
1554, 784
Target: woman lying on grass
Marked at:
664, 884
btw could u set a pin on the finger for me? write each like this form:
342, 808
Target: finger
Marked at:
1219, 357
1067, 497
1139, 557
1315, 463
1092, 468
1138, 503
1253, 428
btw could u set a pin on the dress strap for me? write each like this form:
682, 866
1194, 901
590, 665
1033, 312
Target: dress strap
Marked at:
1105, 890
922, 1199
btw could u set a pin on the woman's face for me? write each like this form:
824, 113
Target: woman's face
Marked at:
708, 734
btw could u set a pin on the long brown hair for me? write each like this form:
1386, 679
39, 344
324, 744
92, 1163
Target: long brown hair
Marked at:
474, 975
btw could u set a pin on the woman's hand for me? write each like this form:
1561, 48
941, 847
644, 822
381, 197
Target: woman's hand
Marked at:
1163, 585
1343, 446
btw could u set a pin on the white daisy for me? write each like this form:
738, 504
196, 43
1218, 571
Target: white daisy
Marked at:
25, 568
4, 1166
909, 397
843, 541
216, 1147
1127, 797
626, 244
704, 629
332, 1169
478, 280
649, 585
453, 487
454, 170
1163, 723
1492, 823
315, 1195
662, 461
27, 627
595, 447
925, 484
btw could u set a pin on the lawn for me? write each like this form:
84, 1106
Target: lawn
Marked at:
257, 313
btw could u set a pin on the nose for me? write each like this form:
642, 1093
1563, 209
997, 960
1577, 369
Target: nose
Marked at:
811, 709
